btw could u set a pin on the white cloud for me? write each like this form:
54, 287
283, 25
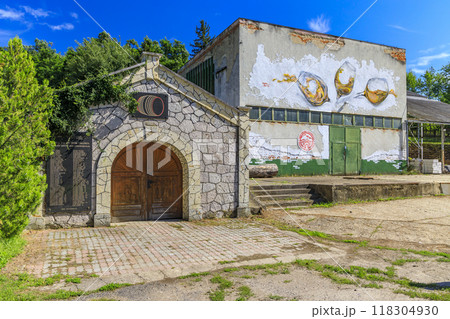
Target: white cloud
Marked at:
319, 24
74, 15
64, 26
37, 13
10, 14
418, 71
425, 60
426, 51
399, 27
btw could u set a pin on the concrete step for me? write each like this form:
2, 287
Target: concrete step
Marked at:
279, 197
278, 186
289, 207
288, 203
291, 191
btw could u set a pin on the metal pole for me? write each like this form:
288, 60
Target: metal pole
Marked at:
442, 148
407, 143
421, 147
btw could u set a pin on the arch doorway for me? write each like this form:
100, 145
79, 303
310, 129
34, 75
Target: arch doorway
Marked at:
146, 183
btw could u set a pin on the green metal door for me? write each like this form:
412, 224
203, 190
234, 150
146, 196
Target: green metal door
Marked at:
345, 150
352, 150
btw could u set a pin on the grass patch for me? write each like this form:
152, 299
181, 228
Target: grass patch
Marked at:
443, 260
231, 269
73, 280
244, 293
337, 279
401, 262
223, 283
218, 295
276, 297
20, 287
195, 274
271, 272
224, 262
424, 295
10, 248
111, 286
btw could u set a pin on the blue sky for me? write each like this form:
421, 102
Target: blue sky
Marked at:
421, 27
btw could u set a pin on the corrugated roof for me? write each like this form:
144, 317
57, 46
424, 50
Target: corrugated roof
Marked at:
422, 109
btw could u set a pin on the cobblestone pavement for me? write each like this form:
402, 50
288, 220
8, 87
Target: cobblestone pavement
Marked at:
146, 247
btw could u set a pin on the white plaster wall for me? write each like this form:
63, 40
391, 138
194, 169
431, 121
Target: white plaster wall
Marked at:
280, 141
379, 144
271, 51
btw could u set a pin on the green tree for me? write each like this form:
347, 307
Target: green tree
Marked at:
174, 53
445, 80
203, 38
96, 56
48, 63
25, 107
413, 83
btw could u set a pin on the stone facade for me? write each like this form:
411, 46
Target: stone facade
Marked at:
209, 137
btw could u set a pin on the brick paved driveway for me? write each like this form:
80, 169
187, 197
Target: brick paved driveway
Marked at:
146, 247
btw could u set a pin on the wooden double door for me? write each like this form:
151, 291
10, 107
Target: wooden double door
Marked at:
146, 184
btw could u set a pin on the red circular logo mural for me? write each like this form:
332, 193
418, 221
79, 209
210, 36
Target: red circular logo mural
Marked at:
306, 141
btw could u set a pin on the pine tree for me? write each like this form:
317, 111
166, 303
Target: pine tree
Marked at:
25, 108
203, 38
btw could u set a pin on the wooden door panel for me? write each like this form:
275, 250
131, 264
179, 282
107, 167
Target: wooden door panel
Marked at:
126, 201
165, 192
139, 194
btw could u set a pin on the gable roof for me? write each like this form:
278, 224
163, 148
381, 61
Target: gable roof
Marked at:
150, 69
422, 109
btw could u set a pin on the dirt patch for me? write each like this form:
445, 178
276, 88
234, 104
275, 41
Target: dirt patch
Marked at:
419, 223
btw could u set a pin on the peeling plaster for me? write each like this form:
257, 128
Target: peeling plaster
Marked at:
389, 156
264, 148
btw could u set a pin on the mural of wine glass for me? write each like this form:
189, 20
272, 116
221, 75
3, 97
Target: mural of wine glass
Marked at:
377, 90
344, 79
313, 88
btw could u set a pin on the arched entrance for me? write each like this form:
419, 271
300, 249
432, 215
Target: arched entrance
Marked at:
146, 183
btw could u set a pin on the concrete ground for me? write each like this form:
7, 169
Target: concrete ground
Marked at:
153, 256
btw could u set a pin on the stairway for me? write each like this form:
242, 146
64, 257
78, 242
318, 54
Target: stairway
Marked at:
283, 196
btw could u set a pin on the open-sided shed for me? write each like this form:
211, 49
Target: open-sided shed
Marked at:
422, 110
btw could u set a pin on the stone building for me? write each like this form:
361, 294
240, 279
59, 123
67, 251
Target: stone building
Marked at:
321, 104
181, 155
